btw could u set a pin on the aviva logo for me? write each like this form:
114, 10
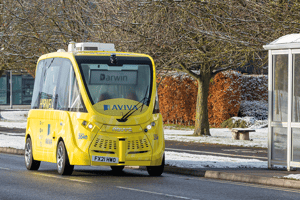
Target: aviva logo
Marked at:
120, 107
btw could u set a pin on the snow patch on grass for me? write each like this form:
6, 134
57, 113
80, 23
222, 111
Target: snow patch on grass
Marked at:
187, 160
220, 136
293, 176
14, 115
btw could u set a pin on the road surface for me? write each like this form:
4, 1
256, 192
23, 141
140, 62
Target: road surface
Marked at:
16, 182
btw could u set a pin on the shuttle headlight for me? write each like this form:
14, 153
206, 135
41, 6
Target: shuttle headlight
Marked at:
149, 127
90, 126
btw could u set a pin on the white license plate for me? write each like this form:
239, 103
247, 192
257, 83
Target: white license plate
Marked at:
105, 159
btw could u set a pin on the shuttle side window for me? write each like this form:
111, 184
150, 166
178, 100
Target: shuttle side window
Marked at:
63, 84
56, 86
48, 95
38, 85
75, 102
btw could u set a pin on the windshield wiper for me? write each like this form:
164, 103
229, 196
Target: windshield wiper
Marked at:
130, 112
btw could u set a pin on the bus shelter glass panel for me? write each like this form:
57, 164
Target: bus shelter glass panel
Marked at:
280, 88
279, 147
296, 88
3, 90
296, 144
296, 108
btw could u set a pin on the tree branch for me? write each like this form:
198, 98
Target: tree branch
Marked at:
189, 72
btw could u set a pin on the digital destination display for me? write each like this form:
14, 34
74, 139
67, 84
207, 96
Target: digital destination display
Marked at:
105, 77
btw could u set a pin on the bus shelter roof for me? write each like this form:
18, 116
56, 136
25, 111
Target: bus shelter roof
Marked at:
291, 41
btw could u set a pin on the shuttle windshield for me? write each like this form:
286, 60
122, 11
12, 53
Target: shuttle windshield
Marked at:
116, 89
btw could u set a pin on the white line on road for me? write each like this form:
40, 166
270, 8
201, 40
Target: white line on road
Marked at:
4, 168
157, 193
215, 153
58, 177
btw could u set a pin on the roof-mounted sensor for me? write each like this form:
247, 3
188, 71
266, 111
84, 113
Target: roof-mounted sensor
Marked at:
90, 46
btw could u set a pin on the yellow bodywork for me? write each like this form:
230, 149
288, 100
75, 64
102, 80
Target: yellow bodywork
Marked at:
126, 141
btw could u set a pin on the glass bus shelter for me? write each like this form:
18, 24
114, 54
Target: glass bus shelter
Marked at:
284, 101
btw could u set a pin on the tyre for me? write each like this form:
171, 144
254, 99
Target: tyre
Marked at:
156, 170
62, 160
30, 163
117, 169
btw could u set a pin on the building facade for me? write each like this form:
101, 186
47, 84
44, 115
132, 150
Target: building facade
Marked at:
22, 88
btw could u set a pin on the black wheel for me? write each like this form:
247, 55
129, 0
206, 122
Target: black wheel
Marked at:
30, 163
62, 160
156, 170
117, 169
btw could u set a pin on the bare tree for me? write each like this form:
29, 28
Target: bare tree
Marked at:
32, 28
199, 37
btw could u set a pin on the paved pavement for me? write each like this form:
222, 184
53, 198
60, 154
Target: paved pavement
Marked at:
272, 177
217, 150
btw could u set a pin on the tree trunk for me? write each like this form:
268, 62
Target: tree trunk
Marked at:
201, 122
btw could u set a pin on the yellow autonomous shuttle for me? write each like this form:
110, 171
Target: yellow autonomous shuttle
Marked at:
95, 106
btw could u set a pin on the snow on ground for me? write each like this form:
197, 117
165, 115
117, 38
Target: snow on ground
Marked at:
218, 136
17, 142
17, 119
14, 115
187, 160
177, 159
293, 176
259, 138
13, 119
10, 124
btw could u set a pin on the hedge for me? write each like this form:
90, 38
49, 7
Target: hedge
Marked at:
178, 93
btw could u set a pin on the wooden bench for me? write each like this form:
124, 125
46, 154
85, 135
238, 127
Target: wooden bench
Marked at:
241, 134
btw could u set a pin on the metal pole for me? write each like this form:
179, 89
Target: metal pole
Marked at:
270, 97
11, 105
290, 96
